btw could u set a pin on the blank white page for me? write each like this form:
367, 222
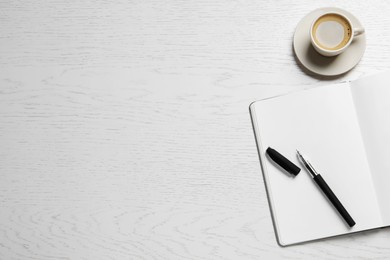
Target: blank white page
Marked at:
323, 125
372, 100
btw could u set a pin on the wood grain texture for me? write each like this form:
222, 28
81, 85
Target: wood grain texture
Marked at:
125, 131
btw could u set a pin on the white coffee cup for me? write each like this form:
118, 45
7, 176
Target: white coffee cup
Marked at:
331, 33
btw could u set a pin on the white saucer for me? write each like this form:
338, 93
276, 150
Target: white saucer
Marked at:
327, 66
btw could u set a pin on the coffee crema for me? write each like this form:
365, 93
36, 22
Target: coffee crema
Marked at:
332, 32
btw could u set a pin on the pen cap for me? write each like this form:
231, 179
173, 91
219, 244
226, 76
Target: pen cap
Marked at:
283, 161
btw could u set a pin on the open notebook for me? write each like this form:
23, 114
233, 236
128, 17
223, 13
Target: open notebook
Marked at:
345, 131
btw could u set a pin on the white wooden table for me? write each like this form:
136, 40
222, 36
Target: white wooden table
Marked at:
125, 131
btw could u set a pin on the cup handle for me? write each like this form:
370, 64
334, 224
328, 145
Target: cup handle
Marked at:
358, 31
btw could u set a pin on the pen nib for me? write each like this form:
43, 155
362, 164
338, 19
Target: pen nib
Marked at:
307, 164
299, 155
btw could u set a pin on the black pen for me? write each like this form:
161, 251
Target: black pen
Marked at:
327, 191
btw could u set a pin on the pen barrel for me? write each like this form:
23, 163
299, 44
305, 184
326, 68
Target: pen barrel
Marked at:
335, 201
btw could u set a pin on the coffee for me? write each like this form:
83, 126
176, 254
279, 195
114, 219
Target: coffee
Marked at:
331, 31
